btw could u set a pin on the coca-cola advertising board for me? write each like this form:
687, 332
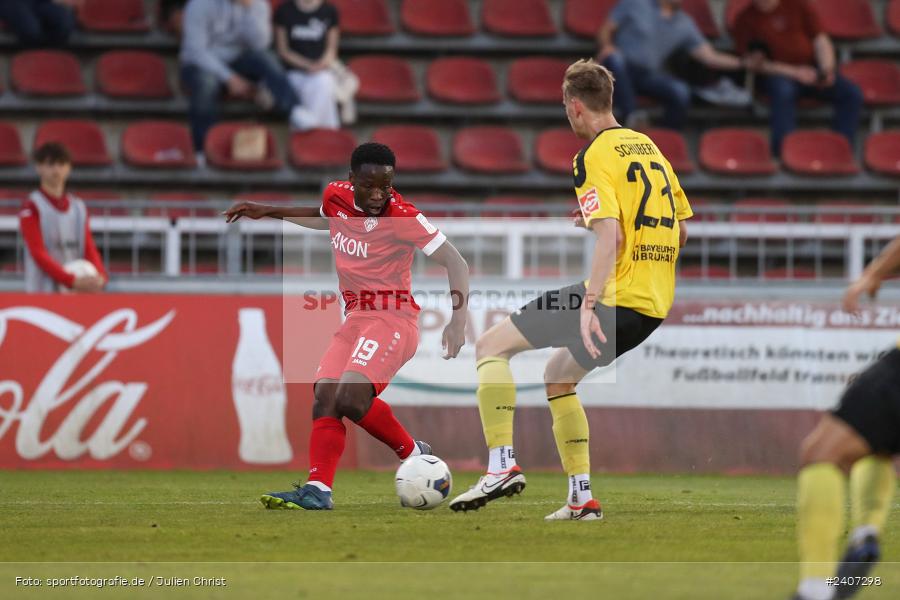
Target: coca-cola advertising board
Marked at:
155, 381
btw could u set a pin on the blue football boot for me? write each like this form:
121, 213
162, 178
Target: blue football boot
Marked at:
307, 497
857, 563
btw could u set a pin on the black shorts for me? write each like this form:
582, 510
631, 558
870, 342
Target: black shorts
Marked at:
871, 404
552, 320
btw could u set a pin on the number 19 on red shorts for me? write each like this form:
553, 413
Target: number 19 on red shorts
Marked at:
374, 344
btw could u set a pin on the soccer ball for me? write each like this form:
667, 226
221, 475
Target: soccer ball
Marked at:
423, 482
80, 268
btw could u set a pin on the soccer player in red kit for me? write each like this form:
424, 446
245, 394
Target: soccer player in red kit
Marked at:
374, 234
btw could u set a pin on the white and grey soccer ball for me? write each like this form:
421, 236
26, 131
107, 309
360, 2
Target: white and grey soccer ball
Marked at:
423, 482
80, 268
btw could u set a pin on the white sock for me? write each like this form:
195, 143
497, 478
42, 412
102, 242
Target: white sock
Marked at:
319, 485
579, 489
501, 458
815, 588
415, 451
861, 533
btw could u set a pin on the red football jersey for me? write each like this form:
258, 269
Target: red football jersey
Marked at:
373, 255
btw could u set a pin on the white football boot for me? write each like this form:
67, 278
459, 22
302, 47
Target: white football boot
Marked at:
490, 487
589, 511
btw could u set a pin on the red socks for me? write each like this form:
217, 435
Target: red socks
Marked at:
326, 444
382, 425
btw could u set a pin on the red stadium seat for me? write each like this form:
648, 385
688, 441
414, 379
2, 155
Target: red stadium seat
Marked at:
118, 209
47, 73
516, 207
321, 148
11, 201
11, 152
132, 74
218, 149
489, 149
892, 17
818, 153
879, 80
265, 197
158, 144
845, 212
384, 79
180, 211
364, 17
673, 146
437, 17
882, 153
114, 16
83, 139
697, 205
759, 208
418, 148
848, 19
698, 272
555, 150
462, 80
732, 151
517, 18
700, 11
584, 17
537, 79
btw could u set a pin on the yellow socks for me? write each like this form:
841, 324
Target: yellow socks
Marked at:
872, 483
820, 519
570, 428
496, 400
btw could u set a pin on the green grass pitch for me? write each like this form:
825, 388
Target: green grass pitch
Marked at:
691, 537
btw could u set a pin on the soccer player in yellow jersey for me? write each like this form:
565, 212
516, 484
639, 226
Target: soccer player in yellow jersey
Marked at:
858, 437
632, 202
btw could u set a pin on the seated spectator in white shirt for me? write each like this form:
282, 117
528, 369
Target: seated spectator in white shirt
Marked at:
306, 38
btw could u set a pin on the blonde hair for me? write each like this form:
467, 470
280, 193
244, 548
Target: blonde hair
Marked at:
590, 82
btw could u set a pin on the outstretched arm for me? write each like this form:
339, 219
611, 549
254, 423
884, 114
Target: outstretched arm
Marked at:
304, 216
870, 281
458, 275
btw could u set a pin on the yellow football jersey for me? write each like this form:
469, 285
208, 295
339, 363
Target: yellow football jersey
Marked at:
622, 175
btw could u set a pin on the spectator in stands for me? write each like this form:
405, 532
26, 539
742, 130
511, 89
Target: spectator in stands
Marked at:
796, 57
40, 23
225, 46
637, 41
306, 38
171, 15
56, 230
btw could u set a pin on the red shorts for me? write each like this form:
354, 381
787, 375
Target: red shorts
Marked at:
373, 344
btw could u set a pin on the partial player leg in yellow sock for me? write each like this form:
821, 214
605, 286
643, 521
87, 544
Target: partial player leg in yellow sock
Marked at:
872, 483
570, 428
821, 497
497, 404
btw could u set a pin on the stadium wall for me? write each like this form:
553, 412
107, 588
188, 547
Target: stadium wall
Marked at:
197, 382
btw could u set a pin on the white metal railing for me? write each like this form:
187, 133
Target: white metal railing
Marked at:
510, 237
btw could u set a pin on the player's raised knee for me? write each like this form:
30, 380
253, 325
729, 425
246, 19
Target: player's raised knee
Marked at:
500, 340
485, 345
